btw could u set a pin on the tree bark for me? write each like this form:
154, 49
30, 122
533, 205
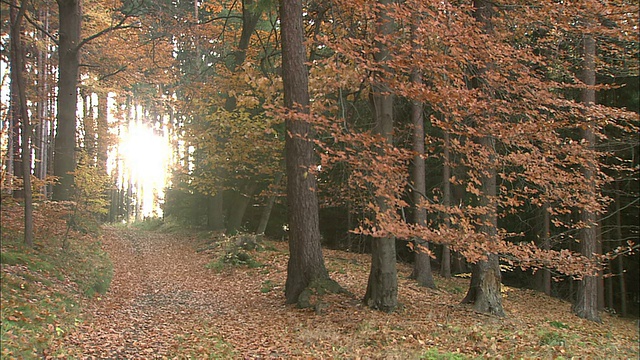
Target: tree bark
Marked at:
545, 275
486, 279
484, 290
586, 305
242, 200
422, 263
382, 286
266, 213
445, 263
17, 72
622, 289
70, 17
102, 128
306, 264
215, 212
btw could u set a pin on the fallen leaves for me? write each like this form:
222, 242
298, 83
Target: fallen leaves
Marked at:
165, 303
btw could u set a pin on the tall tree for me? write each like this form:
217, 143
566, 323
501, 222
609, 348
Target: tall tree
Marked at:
422, 263
486, 279
382, 286
586, 305
306, 264
70, 18
17, 71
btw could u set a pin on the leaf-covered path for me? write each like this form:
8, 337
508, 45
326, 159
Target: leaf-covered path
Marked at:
165, 303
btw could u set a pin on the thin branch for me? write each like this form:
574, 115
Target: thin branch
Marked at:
119, 26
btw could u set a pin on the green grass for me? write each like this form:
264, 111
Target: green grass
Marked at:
43, 290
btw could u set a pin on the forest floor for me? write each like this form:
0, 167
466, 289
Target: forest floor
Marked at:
177, 294
172, 296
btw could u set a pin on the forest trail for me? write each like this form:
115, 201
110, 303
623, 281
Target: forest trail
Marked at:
165, 303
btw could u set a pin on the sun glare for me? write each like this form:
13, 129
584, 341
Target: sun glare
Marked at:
145, 153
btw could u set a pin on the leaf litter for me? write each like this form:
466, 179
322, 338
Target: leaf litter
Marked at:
165, 303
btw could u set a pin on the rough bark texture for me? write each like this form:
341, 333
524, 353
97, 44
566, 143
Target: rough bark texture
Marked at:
70, 16
382, 286
586, 305
306, 264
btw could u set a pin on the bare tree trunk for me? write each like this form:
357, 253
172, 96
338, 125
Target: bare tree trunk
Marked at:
486, 279
266, 213
70, 15
306, 264
102, 128
215, 212
620, 261
422, 263
445, 264
17, 66
236, 213
586, 305
544, 274
15, 106
382, 286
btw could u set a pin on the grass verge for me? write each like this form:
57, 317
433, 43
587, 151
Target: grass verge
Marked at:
43, 288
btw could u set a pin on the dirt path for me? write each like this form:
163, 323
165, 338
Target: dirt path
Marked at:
163, 302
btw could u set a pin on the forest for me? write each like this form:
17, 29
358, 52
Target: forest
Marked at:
480, 153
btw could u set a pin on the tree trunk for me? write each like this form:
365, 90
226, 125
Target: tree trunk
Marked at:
41, 140
242, 200
102, 128
586, 305
545, 275
70, 16
89, 125
486, 279
620, 260
484, 290
422, 263
306, 264
17, 67
215, 212
382, 286
266, 213
17, 58
445, 263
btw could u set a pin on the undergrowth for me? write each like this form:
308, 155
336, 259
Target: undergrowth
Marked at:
43, 287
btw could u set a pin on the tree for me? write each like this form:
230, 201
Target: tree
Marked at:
422, 263
586, 305
382, 286
70, 19
306, 265
486, 280
70, 44
17, 71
